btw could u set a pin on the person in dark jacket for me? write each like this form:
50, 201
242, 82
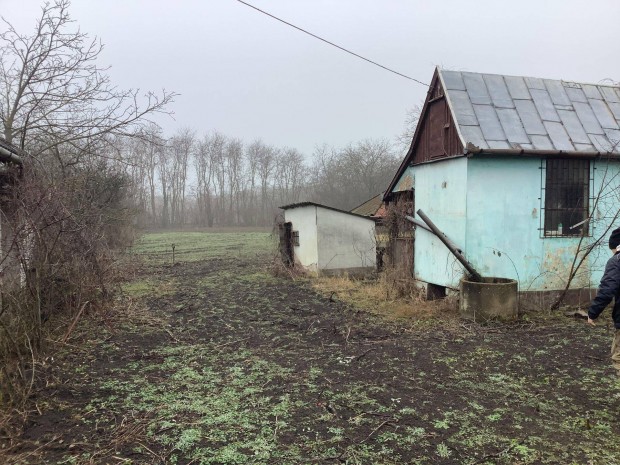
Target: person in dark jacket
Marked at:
609, 290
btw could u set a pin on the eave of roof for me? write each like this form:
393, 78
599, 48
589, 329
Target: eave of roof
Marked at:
370, 207
476, 151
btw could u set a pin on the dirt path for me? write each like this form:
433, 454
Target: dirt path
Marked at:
219, 362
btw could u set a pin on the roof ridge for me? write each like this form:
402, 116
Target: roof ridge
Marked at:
615, 86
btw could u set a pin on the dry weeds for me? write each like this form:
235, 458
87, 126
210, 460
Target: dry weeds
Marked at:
391, 296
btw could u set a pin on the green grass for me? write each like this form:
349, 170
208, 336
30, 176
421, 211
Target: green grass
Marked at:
196, 246
231, 365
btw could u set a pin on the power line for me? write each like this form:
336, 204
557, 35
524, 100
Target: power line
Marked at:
333, 44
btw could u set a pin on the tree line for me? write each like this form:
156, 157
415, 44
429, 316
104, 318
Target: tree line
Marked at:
219, 180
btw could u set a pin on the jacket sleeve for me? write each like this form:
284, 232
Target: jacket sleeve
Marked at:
610, 283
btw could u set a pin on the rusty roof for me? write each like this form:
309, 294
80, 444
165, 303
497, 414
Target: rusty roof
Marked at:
371, 207
498, 112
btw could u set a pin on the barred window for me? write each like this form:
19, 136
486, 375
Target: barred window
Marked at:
567, 192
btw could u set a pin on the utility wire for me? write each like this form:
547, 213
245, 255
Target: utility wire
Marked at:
333, 44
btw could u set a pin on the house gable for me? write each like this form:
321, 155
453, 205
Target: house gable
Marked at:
436, 136
475, 114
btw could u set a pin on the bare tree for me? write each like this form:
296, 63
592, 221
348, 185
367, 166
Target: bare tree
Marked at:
55, 93
234, 167
347, 177
403, 140
265, 165
151, 143
164, 171
208, 155
604, 212
180, 148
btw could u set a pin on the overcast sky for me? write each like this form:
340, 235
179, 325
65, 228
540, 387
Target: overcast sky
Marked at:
249, 76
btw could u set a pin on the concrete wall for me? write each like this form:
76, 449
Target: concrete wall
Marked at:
440, 191
504, 202
346, 242
304, 220
405, 182
491, 208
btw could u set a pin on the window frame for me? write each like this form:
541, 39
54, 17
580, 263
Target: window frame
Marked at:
588, 182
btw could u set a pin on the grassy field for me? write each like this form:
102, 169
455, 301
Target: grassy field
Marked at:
156, 247
213, 359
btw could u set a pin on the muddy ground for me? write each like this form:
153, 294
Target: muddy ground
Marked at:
214, 360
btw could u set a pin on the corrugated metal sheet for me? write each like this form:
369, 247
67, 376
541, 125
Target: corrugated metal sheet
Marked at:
371, 207
495, 111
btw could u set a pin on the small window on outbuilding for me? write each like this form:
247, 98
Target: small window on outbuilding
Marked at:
567, 192
295, 237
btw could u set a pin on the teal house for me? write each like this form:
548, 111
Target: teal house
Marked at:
522, 174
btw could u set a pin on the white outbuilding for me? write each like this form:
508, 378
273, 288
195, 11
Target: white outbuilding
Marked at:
326, 240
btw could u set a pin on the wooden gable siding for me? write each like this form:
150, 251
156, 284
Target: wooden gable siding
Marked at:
438, 137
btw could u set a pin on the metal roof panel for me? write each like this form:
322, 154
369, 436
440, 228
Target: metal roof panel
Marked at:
512, 126
544, 105
453, 80
576, 94
542, 142
573, 127
530, 117
489, 122
523, 146
601, 143
591, 91
615, 109
476, 88
496, 111
516, 87
603, 114
609, 94
474, 135
499, 144
585, 147
558, 136
587, 117
557, 92
614, 138
463, 109
499, 92
535, 83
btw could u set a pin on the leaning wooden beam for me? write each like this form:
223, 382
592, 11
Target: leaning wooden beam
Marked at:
421, 224
475, 276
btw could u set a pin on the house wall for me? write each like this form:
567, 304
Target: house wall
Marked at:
346, 242
304, 220
504, 202
405, 182
440, 191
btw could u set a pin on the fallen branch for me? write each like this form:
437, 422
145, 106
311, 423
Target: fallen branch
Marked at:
362, 355
74, 322
386, 422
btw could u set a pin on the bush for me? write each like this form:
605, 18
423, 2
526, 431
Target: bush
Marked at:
57, 259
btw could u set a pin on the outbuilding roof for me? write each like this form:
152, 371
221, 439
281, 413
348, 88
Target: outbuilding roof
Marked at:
498, 112
313, 204
372, 207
